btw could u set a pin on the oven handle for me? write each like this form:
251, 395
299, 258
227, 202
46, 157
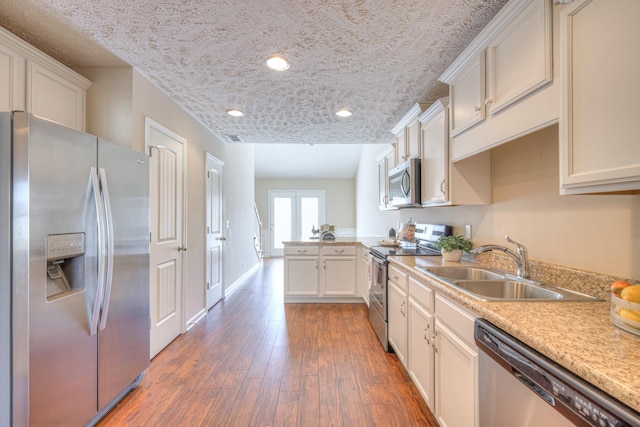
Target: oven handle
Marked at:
377, 258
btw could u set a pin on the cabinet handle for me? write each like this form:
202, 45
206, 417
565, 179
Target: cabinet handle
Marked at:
302, 251
316, 264
434, 344
324, 264
477, 109
338, 251
395, 277
442, 186
488, 101
426, 334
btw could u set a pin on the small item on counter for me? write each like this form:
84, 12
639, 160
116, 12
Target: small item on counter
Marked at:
392, 233
625, 306
410, 234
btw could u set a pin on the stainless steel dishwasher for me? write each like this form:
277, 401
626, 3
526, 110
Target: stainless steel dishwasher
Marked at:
518, 386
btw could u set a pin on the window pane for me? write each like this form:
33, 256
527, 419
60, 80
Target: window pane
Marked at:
281, 221
309, 215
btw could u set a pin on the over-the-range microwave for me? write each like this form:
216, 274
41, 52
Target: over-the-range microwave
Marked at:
404, 184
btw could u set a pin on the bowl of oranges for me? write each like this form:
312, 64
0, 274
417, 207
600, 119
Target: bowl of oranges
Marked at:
625, 306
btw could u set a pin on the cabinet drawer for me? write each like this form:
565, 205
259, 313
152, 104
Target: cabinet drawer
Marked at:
398, 277
421, 293
338, 250
301, 250
456, 318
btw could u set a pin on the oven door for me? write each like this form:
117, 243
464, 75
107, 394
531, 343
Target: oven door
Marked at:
378, 291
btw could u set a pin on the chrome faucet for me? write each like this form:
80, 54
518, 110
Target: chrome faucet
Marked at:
520, 257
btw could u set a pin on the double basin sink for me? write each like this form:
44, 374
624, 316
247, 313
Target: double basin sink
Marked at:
488, 284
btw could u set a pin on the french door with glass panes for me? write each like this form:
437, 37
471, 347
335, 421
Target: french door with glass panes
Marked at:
292, 215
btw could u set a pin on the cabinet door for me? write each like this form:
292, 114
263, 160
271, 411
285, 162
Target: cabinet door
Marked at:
520, 58
301, 275
397, 321
599, 148
12, 80
413, 140
382, 184
456, 372
467, 95
435, 159
53, 97
339, 274
401, 150
420, 351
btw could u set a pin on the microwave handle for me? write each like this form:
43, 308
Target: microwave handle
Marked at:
405, 179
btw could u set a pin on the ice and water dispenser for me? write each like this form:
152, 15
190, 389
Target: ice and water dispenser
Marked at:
65, 264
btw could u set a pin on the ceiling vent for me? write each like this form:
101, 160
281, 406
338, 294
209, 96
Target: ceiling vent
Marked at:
234, 138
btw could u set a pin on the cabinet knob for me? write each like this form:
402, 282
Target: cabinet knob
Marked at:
477, 109
488, 101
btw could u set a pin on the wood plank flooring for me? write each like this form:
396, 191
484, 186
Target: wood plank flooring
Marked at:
255, 361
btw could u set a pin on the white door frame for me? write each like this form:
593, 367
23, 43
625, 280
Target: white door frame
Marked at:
211, 159
149, 124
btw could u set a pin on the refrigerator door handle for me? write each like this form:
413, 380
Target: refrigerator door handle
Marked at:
110, 248
102, 256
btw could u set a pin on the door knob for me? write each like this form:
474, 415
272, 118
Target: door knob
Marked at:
221, 238
182, 248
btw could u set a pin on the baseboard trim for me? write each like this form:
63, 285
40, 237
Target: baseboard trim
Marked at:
195, 319
230, 289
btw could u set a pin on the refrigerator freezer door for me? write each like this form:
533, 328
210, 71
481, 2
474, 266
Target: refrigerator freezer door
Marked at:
53, 196
124, 329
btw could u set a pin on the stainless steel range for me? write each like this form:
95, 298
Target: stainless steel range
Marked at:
426, 235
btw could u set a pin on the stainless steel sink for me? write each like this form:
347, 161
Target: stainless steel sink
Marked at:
465, 273
494, 285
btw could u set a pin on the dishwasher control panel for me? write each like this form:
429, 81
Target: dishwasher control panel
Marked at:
576, 399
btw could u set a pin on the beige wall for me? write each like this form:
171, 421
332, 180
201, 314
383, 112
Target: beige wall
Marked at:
120, 99
339, 198
592, 232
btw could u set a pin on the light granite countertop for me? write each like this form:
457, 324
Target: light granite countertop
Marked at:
577, 335
339, 241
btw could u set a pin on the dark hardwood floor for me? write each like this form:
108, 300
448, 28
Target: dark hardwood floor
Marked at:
255, 361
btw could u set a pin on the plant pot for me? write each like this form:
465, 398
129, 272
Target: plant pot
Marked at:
452, 256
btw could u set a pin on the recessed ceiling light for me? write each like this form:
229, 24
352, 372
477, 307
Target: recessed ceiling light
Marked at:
235, 112
343, 113
277, 63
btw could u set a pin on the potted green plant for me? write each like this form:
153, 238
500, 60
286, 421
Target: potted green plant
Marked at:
452, 246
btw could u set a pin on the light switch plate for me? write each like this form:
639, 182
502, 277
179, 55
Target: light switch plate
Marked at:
468, 232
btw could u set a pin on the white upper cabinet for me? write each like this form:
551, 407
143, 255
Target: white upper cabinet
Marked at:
35, 82
467, 93
501, 86
386, 162
12, 78
407, 132
599, 149
467, 182
519, 59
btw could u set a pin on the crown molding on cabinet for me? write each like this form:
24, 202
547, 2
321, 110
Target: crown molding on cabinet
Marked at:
408, 118
506, 15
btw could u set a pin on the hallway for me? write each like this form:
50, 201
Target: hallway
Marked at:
254, 361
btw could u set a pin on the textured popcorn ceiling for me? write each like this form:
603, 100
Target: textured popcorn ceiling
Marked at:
374, 57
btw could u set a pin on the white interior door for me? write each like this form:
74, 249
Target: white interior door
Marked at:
168, 243
215, 235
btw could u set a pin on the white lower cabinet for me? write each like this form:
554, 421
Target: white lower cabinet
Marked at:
420, 353
441, 354
316, 273
301, 270
397, 305
456, 366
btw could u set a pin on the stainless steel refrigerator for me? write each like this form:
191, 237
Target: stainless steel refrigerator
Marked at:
74, 273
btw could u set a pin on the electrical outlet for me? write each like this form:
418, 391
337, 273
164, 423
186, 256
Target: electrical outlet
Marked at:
468, 231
